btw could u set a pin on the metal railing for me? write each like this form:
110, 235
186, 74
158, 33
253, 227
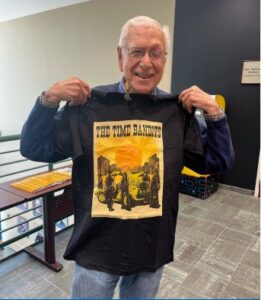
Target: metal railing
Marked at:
17, 150
7, 220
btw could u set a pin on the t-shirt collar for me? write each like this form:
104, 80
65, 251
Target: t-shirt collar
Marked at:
121, 88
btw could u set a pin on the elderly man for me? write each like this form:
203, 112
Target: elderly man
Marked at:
130, 128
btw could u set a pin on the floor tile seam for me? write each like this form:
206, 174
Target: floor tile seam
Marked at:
197, 248
232, 206
250, 201
236, 245
247, 244
242, 194
201, 205
205, 249
248, 288
250, 212
189, 264
186, 215
252, 240
250, 267
204, 234
205, 218
202, 295
240, 262
205, 211
56, 286
5, 295
187, 290
166, 266
237, 285
24, 288
235, 189
38, 283
192, 291
41, 274
257, 214
217, 275
234, 269
212, 272
226, 285
239, 231
217, 238
200, 218
12, 266
226, 282
236, 210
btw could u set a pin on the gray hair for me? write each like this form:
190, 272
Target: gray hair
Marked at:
146, 21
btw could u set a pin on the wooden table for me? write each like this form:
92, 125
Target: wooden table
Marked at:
54, 208
8, 200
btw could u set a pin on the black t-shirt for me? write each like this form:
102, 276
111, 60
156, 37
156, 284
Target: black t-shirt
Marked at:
127, 160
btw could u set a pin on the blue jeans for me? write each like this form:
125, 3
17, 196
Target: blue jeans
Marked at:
91, 284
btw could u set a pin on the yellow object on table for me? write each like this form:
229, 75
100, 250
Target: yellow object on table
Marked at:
189, 172
37, 183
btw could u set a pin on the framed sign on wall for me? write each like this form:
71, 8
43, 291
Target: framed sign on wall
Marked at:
250, 72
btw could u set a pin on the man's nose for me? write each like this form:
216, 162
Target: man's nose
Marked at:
146, 60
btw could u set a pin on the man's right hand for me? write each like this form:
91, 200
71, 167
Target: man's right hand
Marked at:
74, 90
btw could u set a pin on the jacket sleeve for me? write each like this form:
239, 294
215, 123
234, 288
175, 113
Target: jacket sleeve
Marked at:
208, 149
46, 134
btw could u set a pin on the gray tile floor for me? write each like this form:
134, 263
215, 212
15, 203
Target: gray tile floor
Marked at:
217, 255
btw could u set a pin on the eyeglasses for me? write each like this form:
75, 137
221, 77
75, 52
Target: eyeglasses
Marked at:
138, 53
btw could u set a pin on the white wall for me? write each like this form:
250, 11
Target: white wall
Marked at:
79, 40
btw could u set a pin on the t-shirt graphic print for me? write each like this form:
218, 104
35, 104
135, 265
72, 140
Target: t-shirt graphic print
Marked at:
128, 169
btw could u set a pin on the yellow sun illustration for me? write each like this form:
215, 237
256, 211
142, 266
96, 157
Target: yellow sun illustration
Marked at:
128, 157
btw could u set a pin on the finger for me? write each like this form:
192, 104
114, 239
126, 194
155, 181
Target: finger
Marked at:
188, 90
187, 98
187, 107
85, 85
80, 92
85, 90
184, 92
193, 88
74, 90
86, 93
188, 101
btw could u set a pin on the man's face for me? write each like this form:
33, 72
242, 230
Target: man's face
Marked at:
142, 74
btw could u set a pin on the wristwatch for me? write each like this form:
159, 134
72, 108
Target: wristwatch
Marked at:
47, 103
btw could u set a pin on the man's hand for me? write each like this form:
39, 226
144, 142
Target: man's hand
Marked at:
194, 97
74, 90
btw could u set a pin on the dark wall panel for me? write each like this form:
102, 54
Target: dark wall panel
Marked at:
212, 38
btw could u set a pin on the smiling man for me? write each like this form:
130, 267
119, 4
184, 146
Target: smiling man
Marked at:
129, 142
142, 55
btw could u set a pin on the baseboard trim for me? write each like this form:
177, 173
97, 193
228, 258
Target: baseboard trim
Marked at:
236, 189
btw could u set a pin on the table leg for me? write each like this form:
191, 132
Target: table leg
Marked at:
48, 258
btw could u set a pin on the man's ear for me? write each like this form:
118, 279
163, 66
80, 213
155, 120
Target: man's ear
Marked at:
120, 58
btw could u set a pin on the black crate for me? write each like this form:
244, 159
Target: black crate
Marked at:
200, 187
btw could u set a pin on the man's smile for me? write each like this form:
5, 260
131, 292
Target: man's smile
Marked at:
143, 76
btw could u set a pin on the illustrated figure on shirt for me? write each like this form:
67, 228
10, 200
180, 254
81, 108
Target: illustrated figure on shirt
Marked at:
144, 185
125, 196
99, 185
154, 190
109, 191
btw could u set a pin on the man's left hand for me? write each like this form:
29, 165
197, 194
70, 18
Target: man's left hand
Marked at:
194, 97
